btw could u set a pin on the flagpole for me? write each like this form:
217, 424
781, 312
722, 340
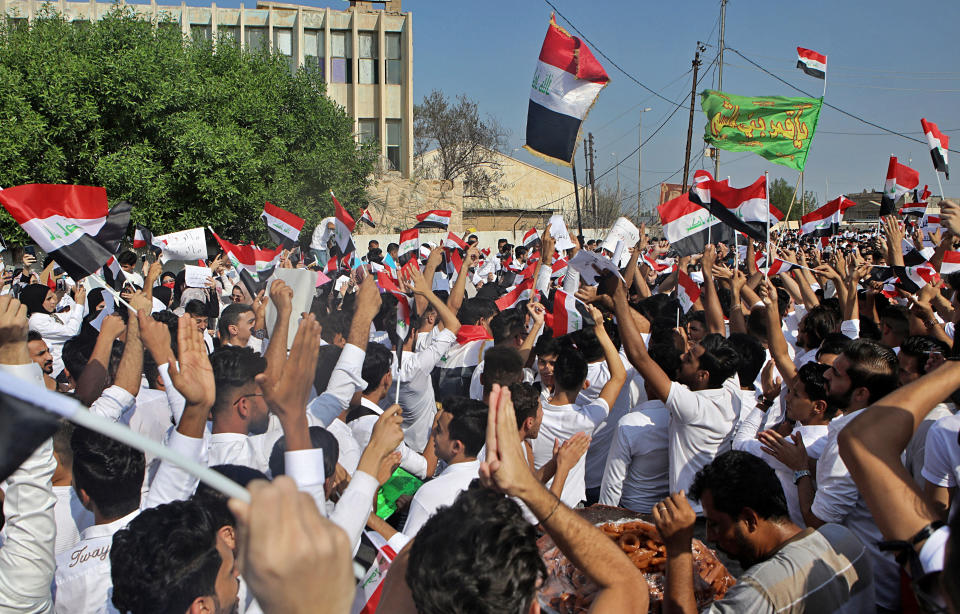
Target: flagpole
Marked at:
576, 198
940, 185
766, 189
115, 294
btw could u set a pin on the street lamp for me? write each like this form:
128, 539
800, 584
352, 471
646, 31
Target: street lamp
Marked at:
640, 151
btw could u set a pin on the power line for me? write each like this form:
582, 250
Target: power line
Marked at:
837, 83
835, 108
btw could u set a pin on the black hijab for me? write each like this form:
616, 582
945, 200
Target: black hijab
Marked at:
33, 296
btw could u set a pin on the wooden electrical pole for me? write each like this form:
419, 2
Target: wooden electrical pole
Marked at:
593, 180
693, 104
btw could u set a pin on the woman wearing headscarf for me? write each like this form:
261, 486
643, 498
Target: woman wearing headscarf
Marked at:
55, 328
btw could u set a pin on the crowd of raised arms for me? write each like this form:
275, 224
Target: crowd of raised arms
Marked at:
799, 416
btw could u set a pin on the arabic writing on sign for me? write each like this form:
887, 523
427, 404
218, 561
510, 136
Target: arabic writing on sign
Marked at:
701, 222
542, 84
793, 128
66, 229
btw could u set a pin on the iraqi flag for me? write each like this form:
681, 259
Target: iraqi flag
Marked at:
283, 226
812, 63
343, 225
825, 221
521, 292
559, 268
569, 314
688, 226
367, 219
113, 275
951, 262
919, 205
409, 245
779, 266
939, 142
912, 278
436, 218
745, 209
688, 291
566, 83
454, 242
456, 367
531, 238
259, 264
142, 237
900, 180
70, 222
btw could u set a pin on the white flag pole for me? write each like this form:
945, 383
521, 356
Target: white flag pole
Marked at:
116, 295
766, 189
939, 185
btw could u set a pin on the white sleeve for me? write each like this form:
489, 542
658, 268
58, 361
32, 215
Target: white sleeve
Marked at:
171, 482
571, 280
355, 506
413, 462
543, 278
837, 493
113, 403
344, 382
850, 328
174, 398
747, 431
422, 363
938, 468
618, 459
683, 403
417, 516
53, 331
305, 467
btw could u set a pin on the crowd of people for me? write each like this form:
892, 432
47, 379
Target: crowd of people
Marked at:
803, 422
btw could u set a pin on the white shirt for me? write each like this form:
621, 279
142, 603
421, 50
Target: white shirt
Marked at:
563, 422
72, 517
476, 386
638, 466
941, 459
350, 450
362, 429
700, 422
838, 500
440, 491
915, 453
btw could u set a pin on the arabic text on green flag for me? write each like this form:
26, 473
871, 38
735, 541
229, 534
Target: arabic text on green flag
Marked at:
776, 127
400, 483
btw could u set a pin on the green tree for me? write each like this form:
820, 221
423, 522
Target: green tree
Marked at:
781, 193
191, 132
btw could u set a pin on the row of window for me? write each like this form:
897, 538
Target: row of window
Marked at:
341, 51
368, 128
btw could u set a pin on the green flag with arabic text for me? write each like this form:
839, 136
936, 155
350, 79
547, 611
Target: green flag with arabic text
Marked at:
776, 127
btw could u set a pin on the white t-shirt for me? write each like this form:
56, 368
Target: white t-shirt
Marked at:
563, 422
638, 466
941, 459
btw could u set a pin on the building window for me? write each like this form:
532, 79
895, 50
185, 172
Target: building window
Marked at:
393, 143
313, 50
394, 64
341, 57
255, 39
368, 130
201, 32
283, 44
367, 68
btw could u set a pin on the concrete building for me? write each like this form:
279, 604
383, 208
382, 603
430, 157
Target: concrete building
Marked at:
365, 53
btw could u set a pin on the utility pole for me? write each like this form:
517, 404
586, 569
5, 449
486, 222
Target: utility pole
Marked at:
693, 100
586, 179
723, 20
640, 151
593, 181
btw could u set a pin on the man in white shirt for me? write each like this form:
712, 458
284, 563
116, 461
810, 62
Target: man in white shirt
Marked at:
460, 433
236, 324
72, 516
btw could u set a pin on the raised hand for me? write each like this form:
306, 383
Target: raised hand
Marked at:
155, 336
674, 519
193, 376
537, 312
112, 326
950, 216
505, 468
287, 389
792, 453
13, 332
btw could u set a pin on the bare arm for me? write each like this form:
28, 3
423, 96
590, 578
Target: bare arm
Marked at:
368, 304
618, 375
775, 339
711, 303
428, 272
675, 520
633, 344
460, 286
93, 381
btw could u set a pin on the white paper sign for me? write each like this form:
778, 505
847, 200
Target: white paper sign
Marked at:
584, 263
440, 282
196, 276
622, 230
183, 245
558, 230
303, 283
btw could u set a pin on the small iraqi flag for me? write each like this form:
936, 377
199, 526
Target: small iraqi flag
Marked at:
688, 291
409, 245
825, 221
779, 266
812, 63
747, 210
939, 142
531, 238
454, 242
569, 314
521, 292
437, 218
70, 222
258, 263
142, 237
951, 262
367, 219
919, 205
343, 225
689, 227
559, 268
912, 278
900, 180
284, 227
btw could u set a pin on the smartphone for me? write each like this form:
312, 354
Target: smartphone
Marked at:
143, 258
61, 285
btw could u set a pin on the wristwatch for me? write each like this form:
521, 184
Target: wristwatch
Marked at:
797, 475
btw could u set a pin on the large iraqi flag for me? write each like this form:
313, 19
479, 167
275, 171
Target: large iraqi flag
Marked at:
565, 85
282, 226
689, 227
72, 223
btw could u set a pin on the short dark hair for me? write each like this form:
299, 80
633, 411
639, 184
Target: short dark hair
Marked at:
165, 559
587, 342
392, 246
525, 400
468, 424
872, 366
897, 317
813, 376
738, 480
478, 551
234, 367
921, 346
319, 438
334, 323
506, 324
127, 257
34, 336
502, 364
547, 346
376, 364
668, 356
475, 309
697, 316
719, 359
229, 317
752, 356
571, 369
195, 307
110, 472
215, 502
834, 343
820, 322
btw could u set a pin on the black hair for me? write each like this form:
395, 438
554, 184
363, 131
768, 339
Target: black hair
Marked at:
234, 367
738, 480
897, 318
719, 359
165, 559
376, 364
173, 322
546, 345
111, 473
872, 366
477, 551
752, 356
392, 246
834, 343
34, 336
319, 438
757, 323
327, 357
587, 342
519, 251
571, 370
215, 502
475, 309
813, 376
507, 324
468, 424
525, 400
195, 307
502, 364
818, 323
229, 317
668, 356
697, 316
921, 346
127, 257
337, 322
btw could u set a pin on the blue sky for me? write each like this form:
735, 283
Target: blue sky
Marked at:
889, 62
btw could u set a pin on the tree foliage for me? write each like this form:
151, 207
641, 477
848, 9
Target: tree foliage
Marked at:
781, 193
466, 144
191, 132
